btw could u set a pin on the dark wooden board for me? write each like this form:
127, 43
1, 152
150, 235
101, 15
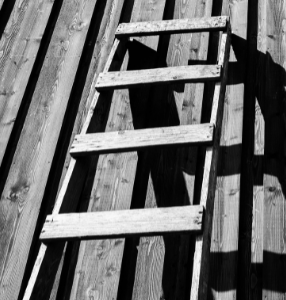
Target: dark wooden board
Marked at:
250, 251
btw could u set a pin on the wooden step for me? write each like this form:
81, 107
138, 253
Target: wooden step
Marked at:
122, 223
124, 141
185, 74
171, 26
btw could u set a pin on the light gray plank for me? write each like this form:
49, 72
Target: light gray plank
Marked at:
124, 141
171, 26
128, 79
114, 224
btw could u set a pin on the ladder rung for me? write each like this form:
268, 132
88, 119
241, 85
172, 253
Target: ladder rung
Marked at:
122, 223
124, 141
128, 79
171, 26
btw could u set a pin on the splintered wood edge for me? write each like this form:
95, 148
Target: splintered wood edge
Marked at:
122, 223
129, 140
202, 248
128, 79
171, 26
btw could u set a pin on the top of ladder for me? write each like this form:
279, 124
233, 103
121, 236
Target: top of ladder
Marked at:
171, 26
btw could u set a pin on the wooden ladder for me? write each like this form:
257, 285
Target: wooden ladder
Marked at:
64, 225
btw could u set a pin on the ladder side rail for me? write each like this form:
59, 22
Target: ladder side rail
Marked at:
49, 257
202, 248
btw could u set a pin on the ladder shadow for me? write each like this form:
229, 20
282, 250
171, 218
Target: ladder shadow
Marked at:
223, 283
159, 172
160, 166
264, 79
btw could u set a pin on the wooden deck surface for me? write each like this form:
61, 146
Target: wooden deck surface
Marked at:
51, 53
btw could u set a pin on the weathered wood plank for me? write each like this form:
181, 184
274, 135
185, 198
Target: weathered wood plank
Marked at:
171, 26
182, 74
123, 223
26, 182
202, 249
129, 140
256, 255
67, 201
19, 46
224, 248
272, 101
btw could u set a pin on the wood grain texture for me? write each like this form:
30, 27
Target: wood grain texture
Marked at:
19, 46
103, 46
171, 26
67, 199
223, 282
99, 262
183, 74
122, 141
273, 108
163, 264
24, 189
258, 208
123, 223
105, 22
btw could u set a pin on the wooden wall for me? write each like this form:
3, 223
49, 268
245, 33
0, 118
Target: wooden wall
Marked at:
262, 221
50, 55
